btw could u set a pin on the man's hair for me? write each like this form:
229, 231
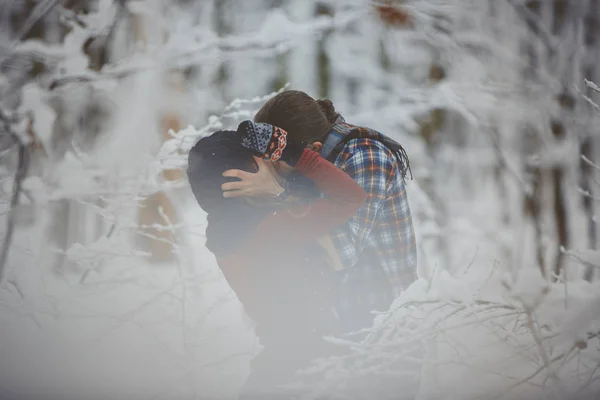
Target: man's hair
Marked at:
207, 161
230, 220
305, 119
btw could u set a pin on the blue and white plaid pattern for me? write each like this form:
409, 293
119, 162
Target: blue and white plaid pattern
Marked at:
377, 246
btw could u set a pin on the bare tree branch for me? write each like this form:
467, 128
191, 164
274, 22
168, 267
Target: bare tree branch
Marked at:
21, 170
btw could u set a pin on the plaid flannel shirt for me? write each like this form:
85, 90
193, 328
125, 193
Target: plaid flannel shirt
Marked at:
377, 246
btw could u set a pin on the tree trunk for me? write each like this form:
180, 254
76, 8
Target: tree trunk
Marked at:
589, 143
157, 212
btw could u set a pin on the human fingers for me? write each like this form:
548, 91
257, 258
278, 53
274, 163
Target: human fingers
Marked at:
236, 193
236, 173
260, 162
265, 165
237, 185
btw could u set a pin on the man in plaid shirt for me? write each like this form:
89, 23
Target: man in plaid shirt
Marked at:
377, 246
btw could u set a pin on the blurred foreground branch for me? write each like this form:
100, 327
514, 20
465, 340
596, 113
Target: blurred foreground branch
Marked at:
21, 170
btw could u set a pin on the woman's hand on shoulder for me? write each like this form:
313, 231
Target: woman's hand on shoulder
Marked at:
265, 183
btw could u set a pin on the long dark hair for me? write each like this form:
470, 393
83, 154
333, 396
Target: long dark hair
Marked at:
308, 120
299, 114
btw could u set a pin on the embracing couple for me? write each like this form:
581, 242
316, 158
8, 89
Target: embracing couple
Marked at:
309, 220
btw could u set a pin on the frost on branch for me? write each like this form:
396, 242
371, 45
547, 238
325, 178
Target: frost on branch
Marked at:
589, 187
480, 91
507, 340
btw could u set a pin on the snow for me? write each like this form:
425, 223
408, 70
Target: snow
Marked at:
475, 331
481, 322
33, 101
120, 330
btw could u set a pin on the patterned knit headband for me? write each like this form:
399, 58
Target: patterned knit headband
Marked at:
266, 139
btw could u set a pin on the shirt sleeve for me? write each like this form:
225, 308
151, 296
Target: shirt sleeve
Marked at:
293, 226
372, 168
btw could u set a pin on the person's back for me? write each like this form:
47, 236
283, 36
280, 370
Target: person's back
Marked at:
379, 241
259, 262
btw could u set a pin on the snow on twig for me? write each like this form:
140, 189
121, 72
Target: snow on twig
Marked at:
173, 152
590, 162
519, 320
592, 86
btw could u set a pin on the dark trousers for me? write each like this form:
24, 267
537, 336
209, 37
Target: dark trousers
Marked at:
278, 363
291, 332
293, 313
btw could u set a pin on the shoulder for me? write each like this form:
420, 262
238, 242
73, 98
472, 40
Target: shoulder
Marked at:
369, 151
368, 158
359, 145
367, 140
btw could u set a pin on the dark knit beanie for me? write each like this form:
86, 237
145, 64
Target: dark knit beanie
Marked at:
230, 220
269, 141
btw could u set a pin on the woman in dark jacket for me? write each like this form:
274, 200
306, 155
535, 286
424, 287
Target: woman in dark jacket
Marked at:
272, 255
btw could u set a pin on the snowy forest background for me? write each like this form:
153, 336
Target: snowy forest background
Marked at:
106, 287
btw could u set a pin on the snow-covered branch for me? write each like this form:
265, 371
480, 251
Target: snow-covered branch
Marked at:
487, 332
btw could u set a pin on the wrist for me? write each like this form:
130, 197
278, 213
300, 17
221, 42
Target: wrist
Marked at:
283, 193
277, 191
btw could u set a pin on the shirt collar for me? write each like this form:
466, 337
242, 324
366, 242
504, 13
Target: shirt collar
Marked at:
334, 137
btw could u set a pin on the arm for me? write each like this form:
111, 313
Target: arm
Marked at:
302, 224
373, 169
